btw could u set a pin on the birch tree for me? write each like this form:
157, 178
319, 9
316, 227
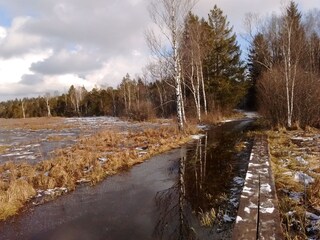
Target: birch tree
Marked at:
193, 51
169, 16
23, 109
47, 98
292, 47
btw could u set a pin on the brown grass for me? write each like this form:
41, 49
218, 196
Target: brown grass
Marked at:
3, 149
91, 159
284, 152
33, 123
14, 197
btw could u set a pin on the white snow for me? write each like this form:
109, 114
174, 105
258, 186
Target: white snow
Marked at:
267, 210
303, 178
251, 114
227, 218
198, 136
247, 190
252, 205
312, 216
247, 210
265, 188
227, 120
238, 180
102, 159
239, 219
302, 138
301, 160
249, 175
296, 196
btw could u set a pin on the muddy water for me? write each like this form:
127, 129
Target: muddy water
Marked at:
158, 199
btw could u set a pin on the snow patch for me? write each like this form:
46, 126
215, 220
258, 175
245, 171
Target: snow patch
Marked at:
312, 216
303, 139
227, 120
238, 180
266, 210
239, 219
198, 136
301, 161
227, 218
247, 210
303, 178
247, 190
251, 156
265, 188
252, 205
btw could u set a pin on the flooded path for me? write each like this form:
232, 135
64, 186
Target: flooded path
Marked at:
166, 197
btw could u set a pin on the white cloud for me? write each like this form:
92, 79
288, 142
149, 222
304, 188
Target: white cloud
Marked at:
12, 69
15, 41
52, 44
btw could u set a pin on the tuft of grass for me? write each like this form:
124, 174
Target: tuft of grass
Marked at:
17, 194
207, 218
3, 149
314, 194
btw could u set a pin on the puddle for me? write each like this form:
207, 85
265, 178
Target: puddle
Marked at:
158, 199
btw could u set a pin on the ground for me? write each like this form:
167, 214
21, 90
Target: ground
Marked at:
295, 160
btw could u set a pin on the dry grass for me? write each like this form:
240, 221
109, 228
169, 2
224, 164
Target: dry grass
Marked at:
285, 150
3, 149
14, 197
207, 218
91, 160
33, 123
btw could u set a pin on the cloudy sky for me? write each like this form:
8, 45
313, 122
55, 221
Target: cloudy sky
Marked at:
47, 45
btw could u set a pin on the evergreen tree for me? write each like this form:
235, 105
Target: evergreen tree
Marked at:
225, 70
259, 60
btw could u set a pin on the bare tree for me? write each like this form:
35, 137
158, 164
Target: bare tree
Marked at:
23, 109
292, 51
169, 16
193, 52
47, 97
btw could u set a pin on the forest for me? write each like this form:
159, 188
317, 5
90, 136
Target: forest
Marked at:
200, 73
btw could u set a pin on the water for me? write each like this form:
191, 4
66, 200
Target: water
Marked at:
158, 199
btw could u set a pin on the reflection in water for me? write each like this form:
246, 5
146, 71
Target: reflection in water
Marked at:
206, 172
174, 222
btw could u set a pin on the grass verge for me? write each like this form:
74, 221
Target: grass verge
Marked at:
295, 159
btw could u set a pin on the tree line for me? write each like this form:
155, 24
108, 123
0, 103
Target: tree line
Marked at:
284, 67
198, 73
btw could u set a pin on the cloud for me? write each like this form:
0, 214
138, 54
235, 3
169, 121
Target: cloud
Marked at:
49, 45
16, 42
65, 62
31, 79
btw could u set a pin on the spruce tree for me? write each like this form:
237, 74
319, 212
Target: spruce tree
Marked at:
259, 61
225, 70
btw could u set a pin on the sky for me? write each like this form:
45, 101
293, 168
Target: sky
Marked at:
48, 45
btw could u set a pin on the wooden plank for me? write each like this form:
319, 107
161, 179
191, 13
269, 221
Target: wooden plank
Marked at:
258, 214
269, 217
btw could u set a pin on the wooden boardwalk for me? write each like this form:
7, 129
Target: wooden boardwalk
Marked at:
258, 214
